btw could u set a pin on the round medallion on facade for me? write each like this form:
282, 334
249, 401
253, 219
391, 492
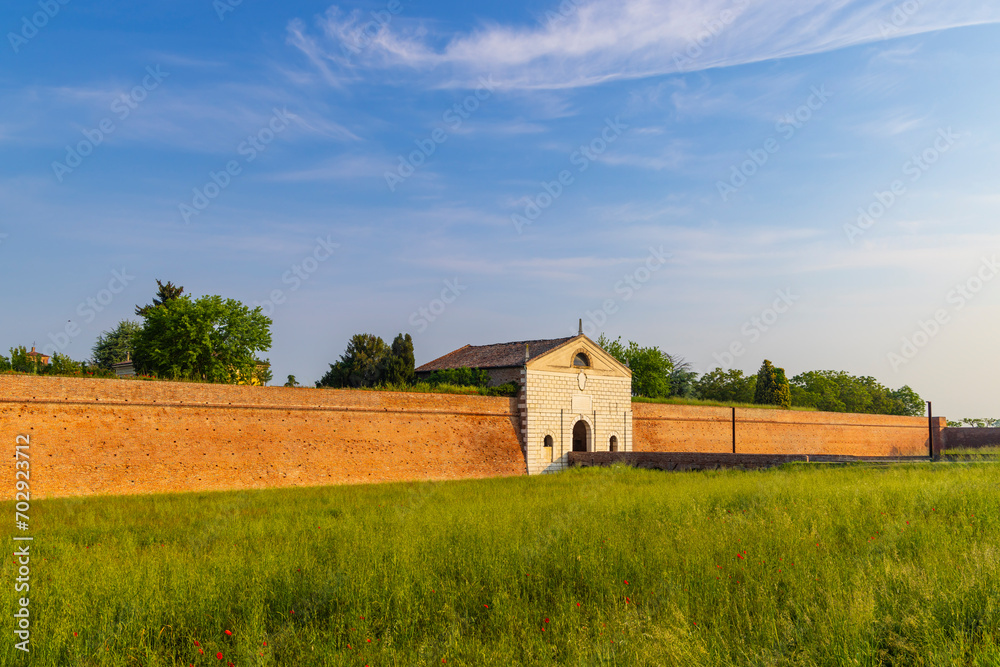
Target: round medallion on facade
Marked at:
582, 380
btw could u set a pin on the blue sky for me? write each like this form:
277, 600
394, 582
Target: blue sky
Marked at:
808, 182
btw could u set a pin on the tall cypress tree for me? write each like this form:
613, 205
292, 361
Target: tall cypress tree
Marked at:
399, 364
772, 386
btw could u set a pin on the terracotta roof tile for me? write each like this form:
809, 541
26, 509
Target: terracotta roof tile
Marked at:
499, 355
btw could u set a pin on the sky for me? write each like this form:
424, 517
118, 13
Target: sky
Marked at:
810, 182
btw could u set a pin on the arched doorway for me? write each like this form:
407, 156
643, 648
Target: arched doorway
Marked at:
581, 436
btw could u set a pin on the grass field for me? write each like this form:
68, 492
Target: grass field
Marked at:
977, 454
803, 565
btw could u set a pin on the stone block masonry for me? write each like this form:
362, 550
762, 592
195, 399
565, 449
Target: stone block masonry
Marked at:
96, 437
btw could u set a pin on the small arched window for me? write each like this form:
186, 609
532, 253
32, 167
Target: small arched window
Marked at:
581, 359
613, 444
548, 441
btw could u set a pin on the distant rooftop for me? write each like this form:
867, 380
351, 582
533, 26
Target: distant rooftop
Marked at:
498, 355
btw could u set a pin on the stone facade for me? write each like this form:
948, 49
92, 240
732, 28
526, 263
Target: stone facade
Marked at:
557, 395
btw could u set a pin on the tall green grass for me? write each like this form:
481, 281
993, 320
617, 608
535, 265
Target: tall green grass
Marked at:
803, 565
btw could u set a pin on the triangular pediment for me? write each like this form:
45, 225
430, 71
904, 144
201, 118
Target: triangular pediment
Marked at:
561, 359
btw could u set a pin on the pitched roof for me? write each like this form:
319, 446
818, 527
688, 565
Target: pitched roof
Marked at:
498, 355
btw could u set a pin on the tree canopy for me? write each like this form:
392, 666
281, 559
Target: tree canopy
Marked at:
210, 339
117, 345
651, 368
369, 362
837, 391
730, 386
164, 294
400, 364
772, 386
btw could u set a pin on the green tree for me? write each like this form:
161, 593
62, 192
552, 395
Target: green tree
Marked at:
682, 377
164, 294
728, 386
4, 363
361, 365
772, 386
60, 364
400, 363
262, 373
209, 339
292, 382
908, 402
117, 345
818, 389
838, 391
21, 362
651, 368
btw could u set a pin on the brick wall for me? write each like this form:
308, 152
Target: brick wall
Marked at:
971, 438
681, 428
127, 436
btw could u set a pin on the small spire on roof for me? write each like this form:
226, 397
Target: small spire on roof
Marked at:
526, 357
580, 332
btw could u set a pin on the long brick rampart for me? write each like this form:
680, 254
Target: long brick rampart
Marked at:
126, 436
91, 437
661, 427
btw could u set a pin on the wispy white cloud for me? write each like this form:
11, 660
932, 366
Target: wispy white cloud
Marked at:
340, 168
605, 40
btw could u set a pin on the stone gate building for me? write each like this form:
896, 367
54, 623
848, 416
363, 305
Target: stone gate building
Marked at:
574, 396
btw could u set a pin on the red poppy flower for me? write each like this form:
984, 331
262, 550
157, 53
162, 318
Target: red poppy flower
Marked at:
219, 656
196, 643
229, 633
546, 620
